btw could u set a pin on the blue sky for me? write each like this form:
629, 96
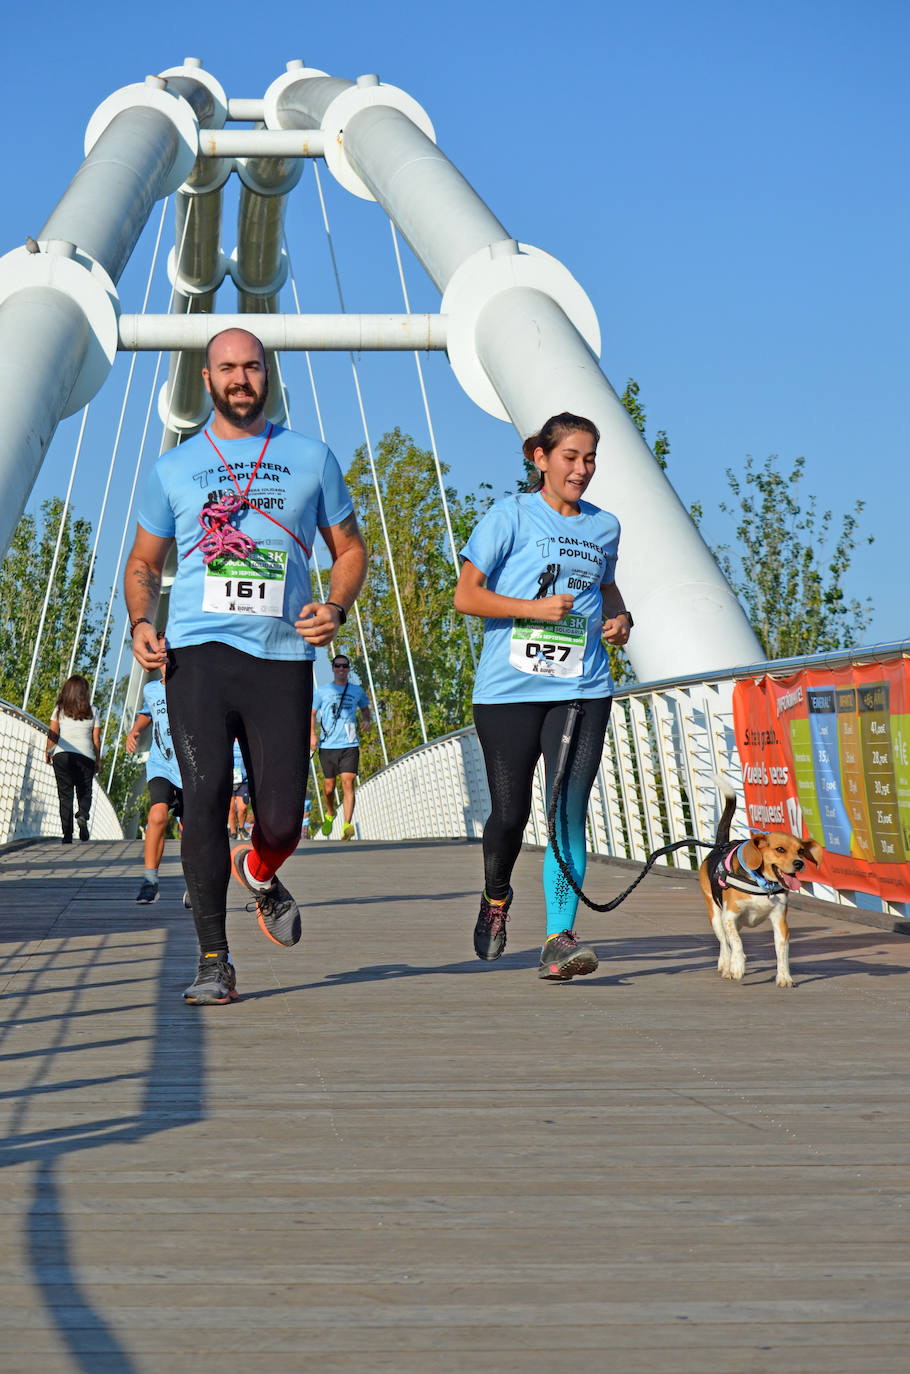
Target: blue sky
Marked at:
727, 182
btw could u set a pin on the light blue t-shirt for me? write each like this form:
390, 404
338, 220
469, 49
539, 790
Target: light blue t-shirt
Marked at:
239, 767
251, 604
338, 718
162, 761
520, 545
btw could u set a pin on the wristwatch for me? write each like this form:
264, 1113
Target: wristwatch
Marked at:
342, 613
628, 615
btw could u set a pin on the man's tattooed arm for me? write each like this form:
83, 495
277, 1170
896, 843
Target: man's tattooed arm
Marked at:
142, 575
349, 527
349, 561
149, 580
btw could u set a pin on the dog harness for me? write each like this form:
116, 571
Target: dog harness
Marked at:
721, 875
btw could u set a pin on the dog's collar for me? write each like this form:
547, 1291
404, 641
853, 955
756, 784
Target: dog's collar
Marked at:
756, 880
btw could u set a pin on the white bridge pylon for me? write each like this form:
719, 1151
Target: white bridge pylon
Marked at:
520, 333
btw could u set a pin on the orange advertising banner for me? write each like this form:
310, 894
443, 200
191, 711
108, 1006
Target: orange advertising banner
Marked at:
826, 754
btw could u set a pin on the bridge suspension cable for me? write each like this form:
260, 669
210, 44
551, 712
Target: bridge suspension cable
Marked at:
376, 486
116, 577
313, 558
432, 433
139, 458
127, 701
363, 643
53, 568
110, 471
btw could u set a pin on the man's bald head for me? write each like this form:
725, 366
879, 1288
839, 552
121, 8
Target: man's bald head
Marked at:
229, 340
237, 378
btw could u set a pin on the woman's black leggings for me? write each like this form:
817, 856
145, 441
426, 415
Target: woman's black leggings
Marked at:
216, 694
73, 771
513, 736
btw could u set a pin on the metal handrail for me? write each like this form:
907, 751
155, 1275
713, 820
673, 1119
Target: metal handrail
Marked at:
666, 743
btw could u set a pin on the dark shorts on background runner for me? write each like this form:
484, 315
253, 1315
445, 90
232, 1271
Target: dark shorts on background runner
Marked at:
242, 790
335, 761
163, 790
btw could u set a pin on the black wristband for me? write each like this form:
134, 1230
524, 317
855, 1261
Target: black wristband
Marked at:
342, 613
140, 620
628, 616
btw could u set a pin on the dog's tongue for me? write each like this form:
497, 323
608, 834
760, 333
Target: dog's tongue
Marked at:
789, 880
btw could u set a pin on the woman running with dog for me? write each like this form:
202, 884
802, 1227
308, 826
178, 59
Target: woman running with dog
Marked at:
539, 568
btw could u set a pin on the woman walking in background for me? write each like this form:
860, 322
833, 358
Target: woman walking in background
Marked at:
539, 568
74, 751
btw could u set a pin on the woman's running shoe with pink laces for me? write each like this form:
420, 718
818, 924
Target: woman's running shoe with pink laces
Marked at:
490, 930
562, 957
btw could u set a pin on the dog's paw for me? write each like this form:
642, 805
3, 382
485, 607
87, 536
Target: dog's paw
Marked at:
737, 971
783, 980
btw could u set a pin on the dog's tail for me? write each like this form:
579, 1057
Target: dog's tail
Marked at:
723, 825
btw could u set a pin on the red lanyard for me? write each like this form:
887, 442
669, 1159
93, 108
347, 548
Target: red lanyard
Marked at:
255, 469
243, 494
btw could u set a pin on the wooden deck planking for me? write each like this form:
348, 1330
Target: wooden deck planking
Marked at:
389, 1156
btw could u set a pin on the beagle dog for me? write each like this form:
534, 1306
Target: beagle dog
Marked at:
742, 883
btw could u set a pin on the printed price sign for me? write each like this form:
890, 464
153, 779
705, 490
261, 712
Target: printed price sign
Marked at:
826, 753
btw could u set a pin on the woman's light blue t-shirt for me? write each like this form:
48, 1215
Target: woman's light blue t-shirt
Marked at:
520, 540
298, 483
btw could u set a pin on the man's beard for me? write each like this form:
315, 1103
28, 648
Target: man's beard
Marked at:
241, 418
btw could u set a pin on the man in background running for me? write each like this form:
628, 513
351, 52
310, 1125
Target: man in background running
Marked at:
334, 731
162, 779
240, 798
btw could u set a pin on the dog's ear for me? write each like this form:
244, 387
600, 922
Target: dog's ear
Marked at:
812, 850
754, 852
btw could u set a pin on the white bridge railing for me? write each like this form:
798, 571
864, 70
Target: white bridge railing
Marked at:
655, 784
28, 792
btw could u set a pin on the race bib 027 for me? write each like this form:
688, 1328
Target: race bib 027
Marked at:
537, 646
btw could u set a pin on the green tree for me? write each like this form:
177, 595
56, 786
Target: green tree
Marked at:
426, 581
620, 666
24, 576
631, 399
126, 792
789, 562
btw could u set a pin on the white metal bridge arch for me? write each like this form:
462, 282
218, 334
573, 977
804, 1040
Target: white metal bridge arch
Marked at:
519, 331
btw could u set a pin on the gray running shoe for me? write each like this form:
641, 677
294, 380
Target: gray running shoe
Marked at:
216, 982
562, 957
148, 893
278, 913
